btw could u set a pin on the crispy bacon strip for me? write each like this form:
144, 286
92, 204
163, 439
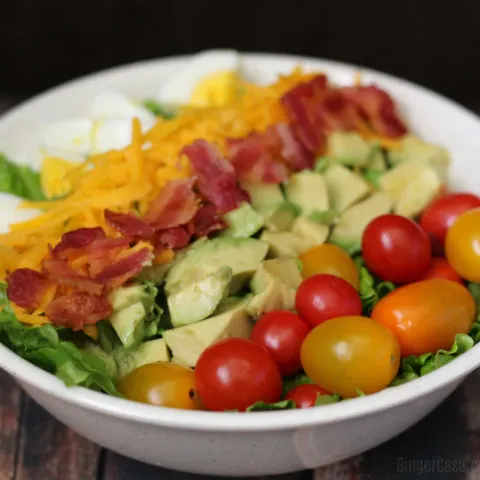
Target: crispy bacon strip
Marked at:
104, 252
216, 178
76, 309
26, 288
207, 221
128, 224
61, 272
175, 205
75, 239
118, 273
174, 238
292, 151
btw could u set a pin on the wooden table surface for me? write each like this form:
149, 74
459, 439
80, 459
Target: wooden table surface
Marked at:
34, 446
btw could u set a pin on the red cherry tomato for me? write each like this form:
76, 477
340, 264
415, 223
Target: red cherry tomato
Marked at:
281, 333
396, 249
235, 373
440, 268
439, 216
305, 396
322, 297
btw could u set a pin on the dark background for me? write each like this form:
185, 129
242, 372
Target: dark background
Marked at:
46, 42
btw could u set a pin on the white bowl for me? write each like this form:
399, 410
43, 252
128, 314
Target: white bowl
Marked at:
262, 443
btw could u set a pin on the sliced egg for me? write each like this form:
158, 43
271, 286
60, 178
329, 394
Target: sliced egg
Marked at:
71, 135
112, 104
209, 79
10, 213
112, 134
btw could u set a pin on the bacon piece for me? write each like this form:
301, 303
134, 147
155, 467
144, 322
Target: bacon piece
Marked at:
175, 238
59, 271
257, 159
118, 273
299, 103
104, 252
79, 238
175, 205
26, 288
378, 108
207, 221
336, 112
128, 224
76, 309
292, 151
216, 178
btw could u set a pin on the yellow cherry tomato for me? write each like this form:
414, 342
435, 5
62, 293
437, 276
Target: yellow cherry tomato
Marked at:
163, 384
347, 354
330, 259
462, 245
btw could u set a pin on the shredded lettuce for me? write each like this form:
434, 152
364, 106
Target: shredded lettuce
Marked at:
289, 383
44, 347
19, 180
262, 406
372, 289
157, 109
352, 248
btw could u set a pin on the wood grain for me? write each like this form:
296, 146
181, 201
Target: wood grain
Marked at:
50, 451
10, 412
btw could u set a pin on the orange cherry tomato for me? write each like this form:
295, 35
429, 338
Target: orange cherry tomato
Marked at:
347, 354
462, 245
425, 316
163, 384
332, 260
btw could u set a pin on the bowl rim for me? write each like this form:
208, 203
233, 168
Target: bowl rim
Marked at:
30, 375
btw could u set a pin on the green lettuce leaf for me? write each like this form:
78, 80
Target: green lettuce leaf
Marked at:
372, 290
262, 406
372, 177
44, 347
19, 180
157, 109
352, 248
327, 399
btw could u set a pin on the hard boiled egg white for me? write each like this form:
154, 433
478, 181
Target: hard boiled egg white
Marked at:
10, 213
210, 79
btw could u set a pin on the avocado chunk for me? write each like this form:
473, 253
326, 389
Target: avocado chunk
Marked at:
244, 221
280, 218
190, 303
411, 186
151, 352
308, 191
413, 148
242, 255
345, 187
128, 323
187, 343
352, 222
284, 244
108, 359
376, 160
123, 297
275, 285
264, 196
348, 148
312, 233
154, 273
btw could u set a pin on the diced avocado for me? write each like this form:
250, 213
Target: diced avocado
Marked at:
411, 186
244, 221
187, 343
242, 255
264, 196
352, 222
108, 359
154, 273
123, 297
280, 217
231, 303
344, 187
192, 302
284, 244
128, 323
308, 191
413, 148
312, 233
151, 352
274, 284
349, 148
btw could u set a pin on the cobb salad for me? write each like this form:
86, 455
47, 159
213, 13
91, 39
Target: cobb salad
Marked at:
231, 246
